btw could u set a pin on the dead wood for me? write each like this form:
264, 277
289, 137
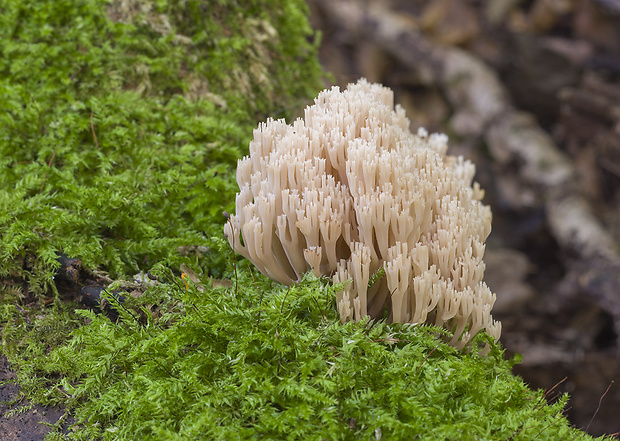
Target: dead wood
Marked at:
483, 112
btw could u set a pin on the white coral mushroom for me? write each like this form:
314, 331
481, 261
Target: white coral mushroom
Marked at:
349, 190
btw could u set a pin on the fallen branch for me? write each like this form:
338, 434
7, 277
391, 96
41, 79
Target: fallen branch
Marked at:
483, 112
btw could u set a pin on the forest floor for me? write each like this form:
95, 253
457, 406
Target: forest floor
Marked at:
22, 421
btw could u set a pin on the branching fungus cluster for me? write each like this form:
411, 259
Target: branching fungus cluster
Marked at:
349, 191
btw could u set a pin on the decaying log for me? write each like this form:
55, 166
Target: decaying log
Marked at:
483, 112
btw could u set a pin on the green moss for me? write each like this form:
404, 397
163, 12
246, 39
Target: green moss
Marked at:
117, 116
120, 127
259, 360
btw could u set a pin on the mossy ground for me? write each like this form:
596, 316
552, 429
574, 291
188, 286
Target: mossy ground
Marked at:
259, 360
122, 121
120, 126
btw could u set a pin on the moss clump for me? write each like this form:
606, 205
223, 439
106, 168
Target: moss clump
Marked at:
258, 360
122, 122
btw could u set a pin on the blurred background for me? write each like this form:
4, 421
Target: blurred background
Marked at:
530, 92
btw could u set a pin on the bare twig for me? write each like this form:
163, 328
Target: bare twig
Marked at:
92, 127
599, 405
49, 164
